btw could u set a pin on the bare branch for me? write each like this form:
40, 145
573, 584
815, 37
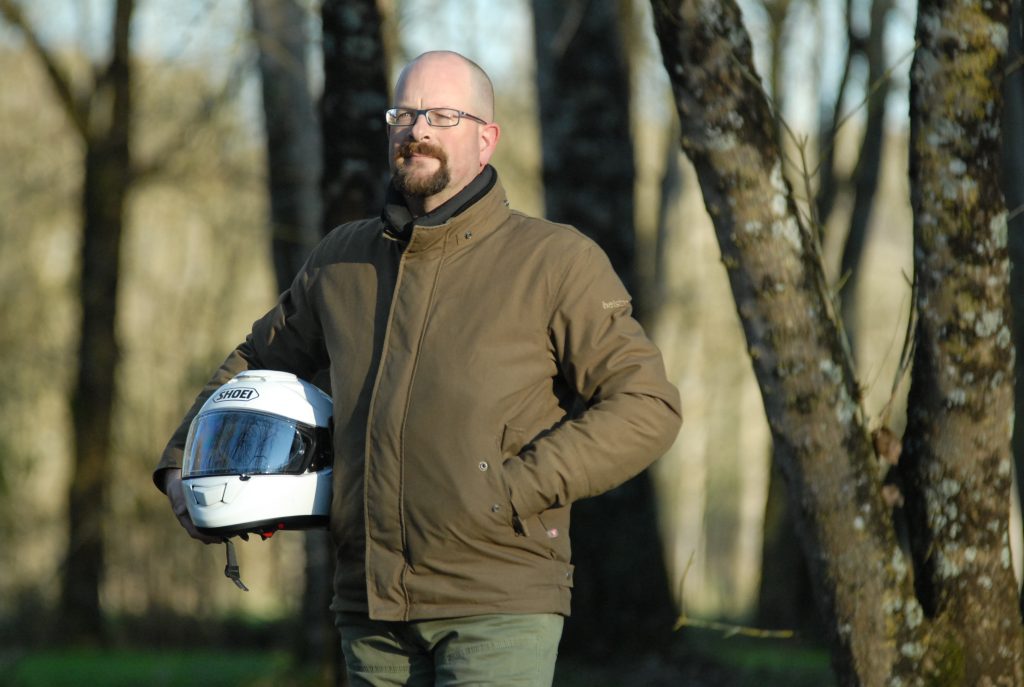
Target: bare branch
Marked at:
74, 105
157, 163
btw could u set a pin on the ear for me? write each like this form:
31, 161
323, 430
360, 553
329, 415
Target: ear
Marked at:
489, 135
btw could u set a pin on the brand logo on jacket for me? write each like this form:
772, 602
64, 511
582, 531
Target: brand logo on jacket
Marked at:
608, 305
243, 393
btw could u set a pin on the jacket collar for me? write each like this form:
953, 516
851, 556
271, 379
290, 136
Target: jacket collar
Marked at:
472, 212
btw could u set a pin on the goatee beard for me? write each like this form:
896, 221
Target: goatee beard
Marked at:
417, 186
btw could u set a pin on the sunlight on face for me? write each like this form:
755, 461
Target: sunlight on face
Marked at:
434, 163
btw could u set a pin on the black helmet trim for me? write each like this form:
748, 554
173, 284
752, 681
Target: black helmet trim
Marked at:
265, 528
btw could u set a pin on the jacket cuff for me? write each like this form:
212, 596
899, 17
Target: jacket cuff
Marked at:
171, 459
523, 491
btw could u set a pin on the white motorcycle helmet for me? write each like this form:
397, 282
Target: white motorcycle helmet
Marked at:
258, 457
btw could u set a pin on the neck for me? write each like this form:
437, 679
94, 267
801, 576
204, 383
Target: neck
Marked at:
400, 211
420, 206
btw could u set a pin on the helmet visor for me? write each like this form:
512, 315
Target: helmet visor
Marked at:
247, 443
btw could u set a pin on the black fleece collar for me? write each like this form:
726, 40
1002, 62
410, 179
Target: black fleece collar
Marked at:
399, 220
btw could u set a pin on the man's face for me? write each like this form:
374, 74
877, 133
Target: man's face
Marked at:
412, 165
434, 163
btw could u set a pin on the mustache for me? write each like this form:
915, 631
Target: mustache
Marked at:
410, 148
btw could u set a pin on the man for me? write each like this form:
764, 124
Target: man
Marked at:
485, 373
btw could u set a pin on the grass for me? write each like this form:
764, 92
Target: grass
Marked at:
763, 662
149, 668
701, 658
706, 658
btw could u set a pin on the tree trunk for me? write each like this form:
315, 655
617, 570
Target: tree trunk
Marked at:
956, 460
783, 588
957, 472
352, 111
777, 14
293, 137
784, 599
294, 177
828, 129
355, 169
1013, 188
105, 188
621, 598
869, 161
583, 94
799, 355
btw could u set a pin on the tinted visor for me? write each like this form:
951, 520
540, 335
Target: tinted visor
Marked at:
248, 443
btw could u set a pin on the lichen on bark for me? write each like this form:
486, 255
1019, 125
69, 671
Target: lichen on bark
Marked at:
796, 345
956, 453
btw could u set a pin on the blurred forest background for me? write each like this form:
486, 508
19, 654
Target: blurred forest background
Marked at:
196, 265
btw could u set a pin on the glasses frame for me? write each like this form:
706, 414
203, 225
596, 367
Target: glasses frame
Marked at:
394, 112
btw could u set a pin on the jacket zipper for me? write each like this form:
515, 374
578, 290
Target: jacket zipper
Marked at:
371, 411
405, 415
405, 411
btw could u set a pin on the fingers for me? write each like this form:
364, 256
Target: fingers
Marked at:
176, 494
190, 527
186, 521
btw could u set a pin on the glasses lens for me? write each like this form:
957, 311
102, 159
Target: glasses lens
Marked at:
442, 117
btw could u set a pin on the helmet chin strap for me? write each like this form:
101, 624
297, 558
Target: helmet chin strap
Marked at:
231, 569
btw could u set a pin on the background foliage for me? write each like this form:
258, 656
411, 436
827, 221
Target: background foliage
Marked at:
197, 269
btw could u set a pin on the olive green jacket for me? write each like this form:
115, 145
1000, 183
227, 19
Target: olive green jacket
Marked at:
486, 373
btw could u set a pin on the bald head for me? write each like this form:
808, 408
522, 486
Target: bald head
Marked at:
458, 72
433, 162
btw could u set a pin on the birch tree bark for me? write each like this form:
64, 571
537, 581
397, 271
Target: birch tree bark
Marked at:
879, 631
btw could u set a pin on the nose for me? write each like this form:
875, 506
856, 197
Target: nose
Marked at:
419, 128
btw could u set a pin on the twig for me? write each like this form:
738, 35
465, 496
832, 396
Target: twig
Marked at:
1014, 66
728, 629
907, 353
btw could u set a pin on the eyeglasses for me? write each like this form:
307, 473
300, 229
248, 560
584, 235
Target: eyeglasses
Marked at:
440, 117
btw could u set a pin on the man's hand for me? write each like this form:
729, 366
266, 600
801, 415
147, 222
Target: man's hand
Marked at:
176, 493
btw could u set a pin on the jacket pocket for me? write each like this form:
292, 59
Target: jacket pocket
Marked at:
554, 529
492, 497
548, 530
512, 441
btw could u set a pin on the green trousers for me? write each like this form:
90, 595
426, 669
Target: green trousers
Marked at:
503, 650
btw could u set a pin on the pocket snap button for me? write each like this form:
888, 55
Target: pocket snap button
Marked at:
483, 465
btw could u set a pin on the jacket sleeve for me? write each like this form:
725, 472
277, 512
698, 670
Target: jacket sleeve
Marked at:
287, 338
631, 411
